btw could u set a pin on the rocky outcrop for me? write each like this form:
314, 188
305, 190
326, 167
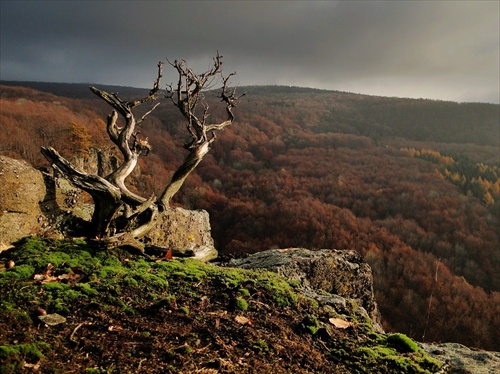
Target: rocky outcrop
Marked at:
186, 232
340, 279
40, 203
460, 359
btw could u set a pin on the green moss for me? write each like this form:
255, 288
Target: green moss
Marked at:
241, 304
112, 271
376, 352
129, 281
57, 258
310, 324
185, 268
311, 303
86, 289
402, 343
151, 280
260, 346
24, 271
185, 310
7, 306
196, 271
62, 290
244, 292
412, 360
13, 357
184, 350
30, 351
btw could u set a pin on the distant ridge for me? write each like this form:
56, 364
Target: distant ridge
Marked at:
73, 90
81, 91
377, 117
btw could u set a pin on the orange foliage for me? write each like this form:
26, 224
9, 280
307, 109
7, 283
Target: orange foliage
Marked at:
316, 170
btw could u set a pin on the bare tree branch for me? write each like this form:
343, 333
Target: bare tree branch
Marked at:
122, 217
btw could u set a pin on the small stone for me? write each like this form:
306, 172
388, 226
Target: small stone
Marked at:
52, 319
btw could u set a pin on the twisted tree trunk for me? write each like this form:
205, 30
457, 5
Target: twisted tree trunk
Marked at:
120, 216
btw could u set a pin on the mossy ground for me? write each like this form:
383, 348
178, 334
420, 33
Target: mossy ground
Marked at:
127, 313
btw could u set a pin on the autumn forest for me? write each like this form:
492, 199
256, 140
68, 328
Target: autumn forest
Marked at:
412, 185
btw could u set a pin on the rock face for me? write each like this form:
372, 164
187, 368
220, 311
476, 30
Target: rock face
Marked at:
36, 203
463, 360
186, 232
21, 193
340, 279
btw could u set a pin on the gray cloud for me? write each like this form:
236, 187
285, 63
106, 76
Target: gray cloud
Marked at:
445, 50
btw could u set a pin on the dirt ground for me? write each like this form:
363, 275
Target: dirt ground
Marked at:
124, 313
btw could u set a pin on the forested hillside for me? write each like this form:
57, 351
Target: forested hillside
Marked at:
413, 185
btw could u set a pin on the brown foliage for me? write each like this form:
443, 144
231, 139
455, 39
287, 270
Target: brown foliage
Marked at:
287, 175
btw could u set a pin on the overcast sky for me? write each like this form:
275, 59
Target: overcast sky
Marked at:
446, 50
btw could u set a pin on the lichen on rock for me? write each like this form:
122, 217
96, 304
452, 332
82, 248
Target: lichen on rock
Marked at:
21, 193
332, 277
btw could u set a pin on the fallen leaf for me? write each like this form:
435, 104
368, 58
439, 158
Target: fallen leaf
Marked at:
50, 279
243, 320
47, 276
33, 367
38, 277
340, 323
72, 278
168, 256
49, 270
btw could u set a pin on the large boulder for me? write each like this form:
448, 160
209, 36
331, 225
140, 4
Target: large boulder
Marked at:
36, 203
186, 232
340, 279
22, 192
463, 360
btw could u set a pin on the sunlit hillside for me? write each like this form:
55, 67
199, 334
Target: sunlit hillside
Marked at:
413, 185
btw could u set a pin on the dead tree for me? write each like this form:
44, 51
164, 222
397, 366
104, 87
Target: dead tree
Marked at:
120, 216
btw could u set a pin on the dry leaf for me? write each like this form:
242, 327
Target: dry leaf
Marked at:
72, 278
33, 367
168, 255
47, 276
340, 323
49, 279
243, 320
38, 277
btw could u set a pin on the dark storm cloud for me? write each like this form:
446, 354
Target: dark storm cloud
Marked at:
434, 49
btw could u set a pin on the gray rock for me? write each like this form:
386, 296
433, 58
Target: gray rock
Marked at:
463, 360
340, 279
21, 193
52, 319
32, 202
186, 232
